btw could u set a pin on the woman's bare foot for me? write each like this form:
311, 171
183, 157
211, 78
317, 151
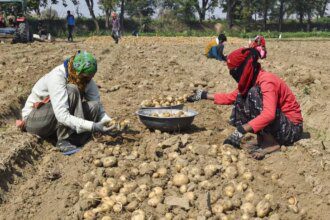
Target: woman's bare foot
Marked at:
268, 145
253, 144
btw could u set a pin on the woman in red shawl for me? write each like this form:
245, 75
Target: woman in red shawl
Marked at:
263, 104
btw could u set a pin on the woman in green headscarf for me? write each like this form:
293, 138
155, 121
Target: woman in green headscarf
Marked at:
66, 102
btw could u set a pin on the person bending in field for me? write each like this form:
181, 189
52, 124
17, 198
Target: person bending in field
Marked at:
262, 104
215, 48
259, 43
66, 102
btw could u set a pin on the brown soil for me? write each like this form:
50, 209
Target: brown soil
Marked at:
37, 182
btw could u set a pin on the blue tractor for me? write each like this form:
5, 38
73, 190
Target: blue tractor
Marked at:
13, 21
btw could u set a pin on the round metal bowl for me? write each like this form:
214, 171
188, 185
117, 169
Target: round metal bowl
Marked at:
165, 107
166, 124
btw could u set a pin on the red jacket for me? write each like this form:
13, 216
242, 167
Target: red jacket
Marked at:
275, 94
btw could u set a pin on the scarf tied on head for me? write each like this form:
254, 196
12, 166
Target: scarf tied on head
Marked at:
244, 68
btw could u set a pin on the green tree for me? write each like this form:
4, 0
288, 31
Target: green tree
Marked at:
35, 5
203, 6
183, 9
107, 6
90, 6
229, 6
142, 10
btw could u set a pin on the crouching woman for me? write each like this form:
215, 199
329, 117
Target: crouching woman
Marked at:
262, 104
66, 103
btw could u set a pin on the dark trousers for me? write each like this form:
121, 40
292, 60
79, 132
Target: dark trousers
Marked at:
282, 129
42, 121
115, 35
70, 32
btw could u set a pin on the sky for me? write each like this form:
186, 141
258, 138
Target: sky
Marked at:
84, 10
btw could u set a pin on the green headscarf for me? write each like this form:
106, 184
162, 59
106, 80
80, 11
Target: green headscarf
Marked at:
85, 62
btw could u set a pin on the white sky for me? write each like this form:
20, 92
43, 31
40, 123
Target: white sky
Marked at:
98, 12
84, 10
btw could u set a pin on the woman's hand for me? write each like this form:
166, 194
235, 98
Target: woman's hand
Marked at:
197, 95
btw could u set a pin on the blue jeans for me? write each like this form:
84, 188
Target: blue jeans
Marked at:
214, 53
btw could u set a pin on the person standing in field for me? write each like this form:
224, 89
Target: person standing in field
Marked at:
115, 27
71, 23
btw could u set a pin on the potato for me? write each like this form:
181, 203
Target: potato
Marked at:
217, 209
274, 217
120, 198
180, 179
168, 216
158, 191
205, 184
132, 206
226, 160
104, 192
231, 172
241, 167
250, 196
241, 187
236, 202
248, 176
263, 208
269, 197
138, 215
183, 189
245, 217
292, 200
229, 191
106, 218
107, 200
109, 161
104, 208
227, 205
98, 163
118, 207
210, 170
189, 195
154, 201
248, 208
89, 215
162, 171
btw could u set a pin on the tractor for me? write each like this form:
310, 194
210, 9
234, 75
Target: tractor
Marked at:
13, 21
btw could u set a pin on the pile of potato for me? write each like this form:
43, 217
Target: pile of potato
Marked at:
164, 101
178, 114
116, 188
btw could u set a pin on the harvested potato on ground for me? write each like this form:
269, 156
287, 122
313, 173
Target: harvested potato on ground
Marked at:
180, 179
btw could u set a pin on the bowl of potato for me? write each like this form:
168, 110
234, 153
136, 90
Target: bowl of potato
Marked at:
164, 102
166, 119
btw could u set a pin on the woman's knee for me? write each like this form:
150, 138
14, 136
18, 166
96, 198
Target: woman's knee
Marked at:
72, 89
94, 106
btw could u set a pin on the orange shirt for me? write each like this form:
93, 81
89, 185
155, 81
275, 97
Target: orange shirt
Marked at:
211, 44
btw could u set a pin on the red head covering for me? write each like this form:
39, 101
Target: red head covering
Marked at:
244, 62
259, 40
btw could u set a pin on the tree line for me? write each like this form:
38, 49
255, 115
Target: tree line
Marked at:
246, 12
